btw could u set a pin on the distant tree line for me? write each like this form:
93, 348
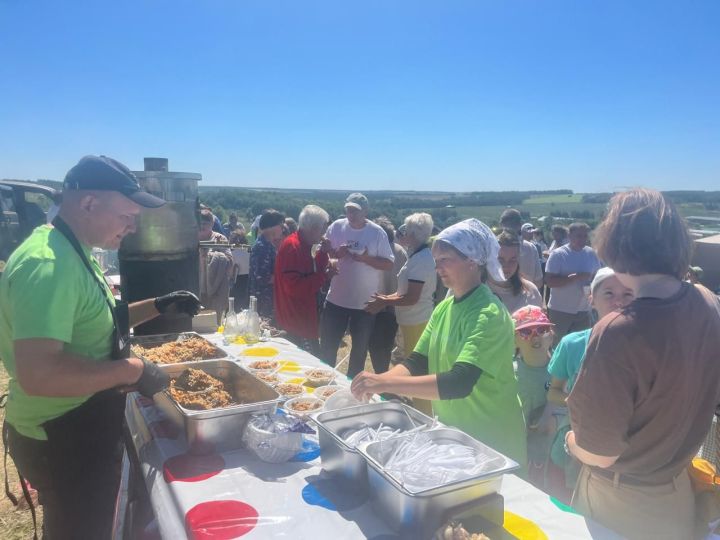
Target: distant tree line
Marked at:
248, 203
488, 198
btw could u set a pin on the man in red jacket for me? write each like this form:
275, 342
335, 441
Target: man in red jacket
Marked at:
300, 273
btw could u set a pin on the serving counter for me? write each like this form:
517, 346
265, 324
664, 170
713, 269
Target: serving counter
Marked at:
234, 494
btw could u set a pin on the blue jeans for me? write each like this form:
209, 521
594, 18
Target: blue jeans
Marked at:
333, 323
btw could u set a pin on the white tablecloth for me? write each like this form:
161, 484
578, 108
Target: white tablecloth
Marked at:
238, 494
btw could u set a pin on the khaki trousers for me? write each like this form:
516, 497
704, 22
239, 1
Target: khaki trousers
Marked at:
638, 512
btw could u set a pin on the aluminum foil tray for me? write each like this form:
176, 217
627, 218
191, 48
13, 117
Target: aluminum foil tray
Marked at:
150, 342
218, 430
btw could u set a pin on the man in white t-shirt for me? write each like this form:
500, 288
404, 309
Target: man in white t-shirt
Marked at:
568, 273
529, 260
363, 253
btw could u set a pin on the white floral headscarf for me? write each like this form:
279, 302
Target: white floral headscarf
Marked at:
477, 242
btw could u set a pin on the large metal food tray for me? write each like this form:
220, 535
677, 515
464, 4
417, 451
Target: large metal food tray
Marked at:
405, 510
218, 430
150, 342
341, 459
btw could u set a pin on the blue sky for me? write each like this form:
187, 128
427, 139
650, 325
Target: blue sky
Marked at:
449, 95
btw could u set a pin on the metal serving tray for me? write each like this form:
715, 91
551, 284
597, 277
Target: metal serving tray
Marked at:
218, 430
343, 460
422, 511
150, 342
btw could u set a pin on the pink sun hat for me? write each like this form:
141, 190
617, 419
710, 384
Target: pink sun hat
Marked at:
529, 317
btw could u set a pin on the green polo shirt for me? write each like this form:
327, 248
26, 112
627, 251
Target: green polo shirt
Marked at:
478, 330
47, 292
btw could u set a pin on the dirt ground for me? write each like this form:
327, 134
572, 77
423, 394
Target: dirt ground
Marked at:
15, 524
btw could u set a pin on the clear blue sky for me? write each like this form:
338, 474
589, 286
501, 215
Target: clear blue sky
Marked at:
450, 95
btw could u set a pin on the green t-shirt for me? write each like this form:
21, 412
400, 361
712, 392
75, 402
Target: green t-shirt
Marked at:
478, 330
47, 292
568, 357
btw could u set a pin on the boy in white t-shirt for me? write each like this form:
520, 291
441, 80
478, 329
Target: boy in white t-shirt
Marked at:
363, 253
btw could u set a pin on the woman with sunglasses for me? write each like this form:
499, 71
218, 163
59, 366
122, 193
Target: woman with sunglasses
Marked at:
647, 391
462, 360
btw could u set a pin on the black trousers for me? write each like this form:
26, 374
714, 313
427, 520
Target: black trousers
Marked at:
76, 472
333, 323
382, 340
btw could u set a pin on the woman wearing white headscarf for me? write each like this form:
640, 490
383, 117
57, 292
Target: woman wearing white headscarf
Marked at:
461, 362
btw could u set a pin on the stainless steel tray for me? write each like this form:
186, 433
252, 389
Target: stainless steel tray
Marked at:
419, 511
150, 342
343, 460
218, 430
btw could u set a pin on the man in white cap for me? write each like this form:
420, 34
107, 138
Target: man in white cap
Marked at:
363, 253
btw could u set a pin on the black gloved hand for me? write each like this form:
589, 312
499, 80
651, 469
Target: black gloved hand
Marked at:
178, 302
152, 380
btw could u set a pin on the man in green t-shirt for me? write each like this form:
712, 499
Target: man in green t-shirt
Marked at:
63, 340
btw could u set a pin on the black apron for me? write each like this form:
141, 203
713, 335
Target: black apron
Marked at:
92, 432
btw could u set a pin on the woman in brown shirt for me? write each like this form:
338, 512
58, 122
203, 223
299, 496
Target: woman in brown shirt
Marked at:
646, 394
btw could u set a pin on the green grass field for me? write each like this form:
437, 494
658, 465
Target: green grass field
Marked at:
554, 199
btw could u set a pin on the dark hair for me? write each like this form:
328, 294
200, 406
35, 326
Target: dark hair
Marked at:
578, 226
270, 218
511, 218
508, 239
386, 225
643, 233
560, 229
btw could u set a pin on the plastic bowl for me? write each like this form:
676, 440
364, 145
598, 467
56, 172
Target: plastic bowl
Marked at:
264, 364
290, 390
268, 377
341, 399
319, 376
324, 392
312, 403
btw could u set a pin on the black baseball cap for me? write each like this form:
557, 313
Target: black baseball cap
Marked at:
102, 173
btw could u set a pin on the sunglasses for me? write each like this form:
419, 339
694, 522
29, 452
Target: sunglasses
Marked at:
528, 333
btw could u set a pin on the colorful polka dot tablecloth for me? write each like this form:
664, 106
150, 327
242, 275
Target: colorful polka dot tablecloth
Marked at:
235, 495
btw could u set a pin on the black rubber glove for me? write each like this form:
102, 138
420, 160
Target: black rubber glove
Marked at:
178, 302
152, 380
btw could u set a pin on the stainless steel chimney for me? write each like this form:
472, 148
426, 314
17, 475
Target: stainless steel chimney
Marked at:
162, 256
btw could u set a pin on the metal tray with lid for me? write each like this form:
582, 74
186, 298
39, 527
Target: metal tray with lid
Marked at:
341, 459
406, 509
153, 341
218, 430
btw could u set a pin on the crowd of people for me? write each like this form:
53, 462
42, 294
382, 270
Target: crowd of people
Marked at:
596, 364
573, 359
